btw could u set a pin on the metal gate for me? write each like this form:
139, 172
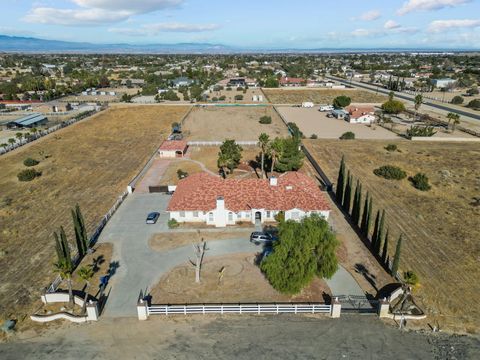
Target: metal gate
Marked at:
357, 304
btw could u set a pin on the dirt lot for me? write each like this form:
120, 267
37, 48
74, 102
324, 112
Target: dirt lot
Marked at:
172, 240
214, 123
441, 227
230, 96
89, 163
242, 282
311, 121
320, 96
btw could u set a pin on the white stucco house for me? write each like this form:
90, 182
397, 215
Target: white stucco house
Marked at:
360, 115
206, 198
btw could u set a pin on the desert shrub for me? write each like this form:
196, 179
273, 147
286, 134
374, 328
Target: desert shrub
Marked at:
347, 136
238, 97
393, 106
341, 101
295, 130
390, 172
30, 162
239, 88
420, 182
28, 174
410, 277
181, 174
474, 104
314, 136
457, 100
172, 224
421, 131
214, 99
265, 119
472, 91
391, 147
222, 98
228, 88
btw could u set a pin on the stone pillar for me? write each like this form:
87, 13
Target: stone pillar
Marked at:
92, 311
142, 309
129, 189
383, 308
336, 308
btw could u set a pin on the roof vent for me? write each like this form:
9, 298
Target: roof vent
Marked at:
273, 181
289, 187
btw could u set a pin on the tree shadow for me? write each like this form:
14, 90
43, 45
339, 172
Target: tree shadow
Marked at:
112, 268
361, 269
326, 298
96, 262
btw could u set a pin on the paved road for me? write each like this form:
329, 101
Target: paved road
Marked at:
409, 98
140, 267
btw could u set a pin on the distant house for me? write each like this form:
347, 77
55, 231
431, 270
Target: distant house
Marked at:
173, 149
28, 121
289, 81
360, 114
133, 82
339, 114
182, 81
443, 83
205, 198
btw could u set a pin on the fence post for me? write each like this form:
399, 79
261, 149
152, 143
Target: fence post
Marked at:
92, 311
336, 308
142, 309
383, 308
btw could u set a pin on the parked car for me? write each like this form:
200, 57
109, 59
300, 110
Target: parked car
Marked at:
152, 217
330, 115
258, 238
326, 108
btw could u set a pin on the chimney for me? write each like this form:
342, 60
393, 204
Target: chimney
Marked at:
273, 181
220, 203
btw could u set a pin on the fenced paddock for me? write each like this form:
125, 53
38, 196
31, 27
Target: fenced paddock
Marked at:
239, 309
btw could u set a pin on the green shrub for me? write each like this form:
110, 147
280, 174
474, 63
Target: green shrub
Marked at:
30, 162
222, 98
391, 147
341, 101
457, 100
474, 104
347, 136
410, 277
265, 119
239, 88
181, 174
421, 131
172, 224
214, 99
314, 136
393, 106
420, 182
28, 174
238, 97
390, 172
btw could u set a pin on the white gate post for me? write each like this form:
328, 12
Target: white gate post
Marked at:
336, 308
383, 308
142, 309
92, 311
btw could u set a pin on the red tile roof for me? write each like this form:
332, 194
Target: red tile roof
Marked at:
356, 111
173, 145
291, 80
198, 192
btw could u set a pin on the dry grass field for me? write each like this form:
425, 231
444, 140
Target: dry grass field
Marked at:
242, 282
320, 96
240, 123
89, 163
441, 226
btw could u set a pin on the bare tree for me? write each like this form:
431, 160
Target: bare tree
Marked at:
199, 250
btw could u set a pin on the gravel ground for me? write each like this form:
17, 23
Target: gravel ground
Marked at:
245, 337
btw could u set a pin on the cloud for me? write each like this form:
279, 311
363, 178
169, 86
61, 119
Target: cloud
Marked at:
363, 32
442, 25
418, 5
155, 29
390, 24
97, 12
370, 15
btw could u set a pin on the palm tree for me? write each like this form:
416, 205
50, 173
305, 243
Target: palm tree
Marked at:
86, 273
418, 102
456, 121
65, 269
453, 117
264, 141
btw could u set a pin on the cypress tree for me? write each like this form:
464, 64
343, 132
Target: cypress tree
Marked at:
396, 258
375, 231
355, 199
363, 225
341, 181
378, 241
347, 199
81, 236
58, 248
357, 204
369, 217
83, 228
65, 247
385, 249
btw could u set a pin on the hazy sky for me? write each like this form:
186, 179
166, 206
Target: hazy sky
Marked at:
251, 23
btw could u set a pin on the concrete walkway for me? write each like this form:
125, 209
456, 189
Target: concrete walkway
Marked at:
140, 267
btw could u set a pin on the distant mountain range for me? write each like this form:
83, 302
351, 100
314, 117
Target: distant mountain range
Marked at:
35, 45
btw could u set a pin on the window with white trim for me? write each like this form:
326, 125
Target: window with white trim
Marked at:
195, 214
182, 214
210, 217
295, 215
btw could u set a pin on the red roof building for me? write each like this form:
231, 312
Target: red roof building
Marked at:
173, 148
220, 202
289, 81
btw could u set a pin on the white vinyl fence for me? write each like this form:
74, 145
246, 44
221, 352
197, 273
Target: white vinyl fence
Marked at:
218, 143
239, 309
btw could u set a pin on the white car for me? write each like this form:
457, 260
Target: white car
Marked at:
326, 108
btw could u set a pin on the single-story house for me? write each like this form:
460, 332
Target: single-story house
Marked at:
340, 113
173, 149
28, 121
182, 81
206, 198
360, 115
443, 83
289, 81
